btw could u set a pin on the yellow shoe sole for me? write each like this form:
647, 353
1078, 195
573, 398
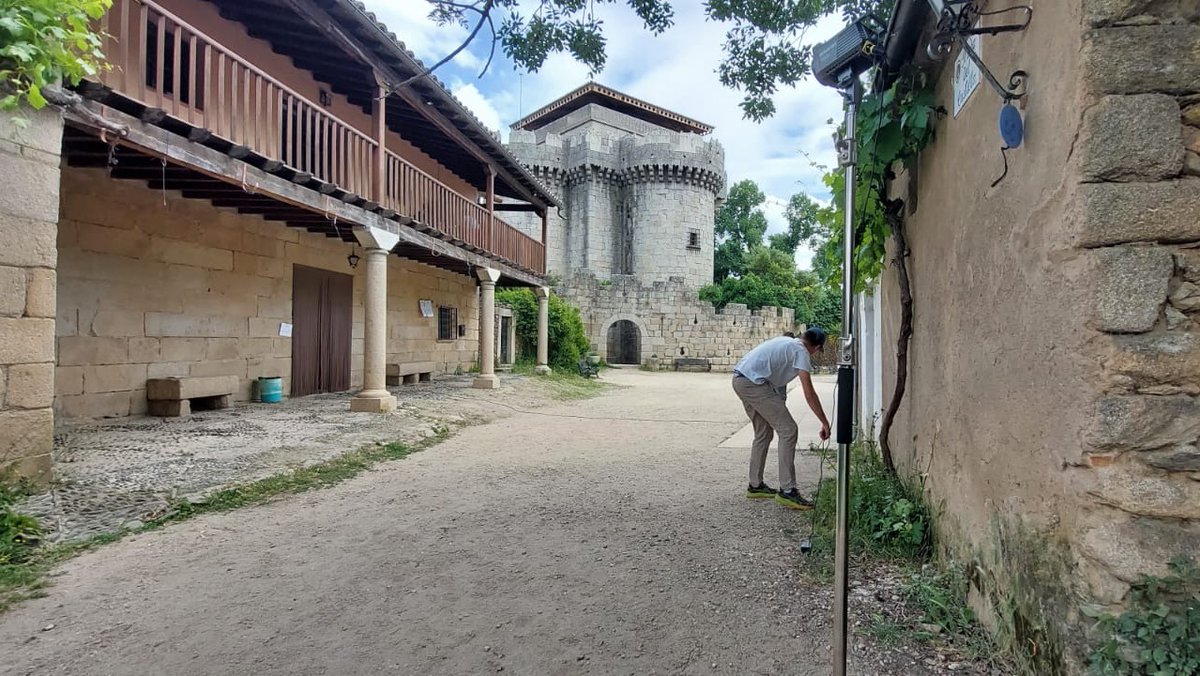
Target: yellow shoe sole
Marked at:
759, 496
792, 505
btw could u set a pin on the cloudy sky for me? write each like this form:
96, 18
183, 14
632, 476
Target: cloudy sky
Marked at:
676, 70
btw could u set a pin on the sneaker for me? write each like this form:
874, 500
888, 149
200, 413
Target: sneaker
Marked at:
760, 491
793, 500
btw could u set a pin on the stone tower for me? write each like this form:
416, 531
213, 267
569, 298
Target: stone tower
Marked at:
633, 242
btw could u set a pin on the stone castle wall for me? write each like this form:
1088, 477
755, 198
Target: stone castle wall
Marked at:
635, 196
672, 321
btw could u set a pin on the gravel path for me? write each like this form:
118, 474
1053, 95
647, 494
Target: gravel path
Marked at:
608, 536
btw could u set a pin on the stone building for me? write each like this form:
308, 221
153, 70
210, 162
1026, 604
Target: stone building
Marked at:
237, 199
633, 241
1055, 361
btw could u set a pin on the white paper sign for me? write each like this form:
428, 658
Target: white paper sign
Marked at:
285, 330
426, 308
966, 73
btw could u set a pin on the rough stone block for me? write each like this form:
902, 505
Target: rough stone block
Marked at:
190, 387
1130, 59
89, 351
105, 405
30, 191
222, 348
41, 290
1129, 547
189, 253
223, 367
1150, 495
1144, 422
183, 349
1186, 297
1168, 358
25, 434
113, 378
26, 340
1116, 213
1182, 458
68, 380
144, 350
169, 408
1131, 138
118, 323
28, 242
1131, 287
117, 241
12, 291
166, 324
168, 370
30, 386
41, 131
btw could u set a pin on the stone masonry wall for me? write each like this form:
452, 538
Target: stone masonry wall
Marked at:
1139, 225
29, 159
672, 320
151, 290
1052, 403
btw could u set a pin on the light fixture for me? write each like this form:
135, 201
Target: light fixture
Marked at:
352, 259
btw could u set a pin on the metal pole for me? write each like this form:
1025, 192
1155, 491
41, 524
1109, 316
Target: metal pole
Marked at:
848, 156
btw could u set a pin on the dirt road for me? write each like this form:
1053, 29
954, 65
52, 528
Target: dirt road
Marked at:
608, 536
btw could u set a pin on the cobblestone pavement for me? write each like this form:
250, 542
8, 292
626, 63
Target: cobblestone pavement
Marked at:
114, 474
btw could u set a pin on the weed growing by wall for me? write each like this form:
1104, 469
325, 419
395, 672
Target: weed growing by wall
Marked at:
568, 341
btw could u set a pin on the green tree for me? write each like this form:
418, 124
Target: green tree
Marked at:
568, 340
763, 44
43, 42
740, 225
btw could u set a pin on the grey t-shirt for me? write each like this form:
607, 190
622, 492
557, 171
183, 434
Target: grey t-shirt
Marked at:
775, 361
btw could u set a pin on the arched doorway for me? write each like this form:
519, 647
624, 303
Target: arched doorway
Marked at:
624, 343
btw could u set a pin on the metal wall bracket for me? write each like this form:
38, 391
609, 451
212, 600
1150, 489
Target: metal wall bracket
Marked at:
957, 20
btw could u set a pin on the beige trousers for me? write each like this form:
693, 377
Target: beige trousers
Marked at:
769, 414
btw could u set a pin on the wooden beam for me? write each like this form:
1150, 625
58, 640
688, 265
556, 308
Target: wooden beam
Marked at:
158, 142
379, 118
491, 203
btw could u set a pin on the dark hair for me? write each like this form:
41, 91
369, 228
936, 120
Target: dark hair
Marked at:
789, 334
814, 336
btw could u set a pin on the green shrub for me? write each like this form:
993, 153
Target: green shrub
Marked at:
888, 516
44, 42
1160, 632
19, 533
568, 340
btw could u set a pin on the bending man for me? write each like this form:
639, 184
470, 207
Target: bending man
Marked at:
758, 379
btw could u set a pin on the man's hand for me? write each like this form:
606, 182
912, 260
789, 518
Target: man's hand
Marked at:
824, 431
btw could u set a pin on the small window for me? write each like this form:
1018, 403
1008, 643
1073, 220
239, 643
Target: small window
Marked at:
447, 323
693, 240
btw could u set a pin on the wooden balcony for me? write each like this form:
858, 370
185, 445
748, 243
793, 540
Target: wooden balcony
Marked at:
175, 70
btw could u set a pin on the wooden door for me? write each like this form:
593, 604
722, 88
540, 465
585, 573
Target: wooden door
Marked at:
321, 323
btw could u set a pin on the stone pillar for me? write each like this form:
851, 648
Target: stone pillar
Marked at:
543, 331
29, 161
487, 379
374, 397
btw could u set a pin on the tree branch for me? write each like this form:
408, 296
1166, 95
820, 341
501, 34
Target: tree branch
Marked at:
895, 216
484, 17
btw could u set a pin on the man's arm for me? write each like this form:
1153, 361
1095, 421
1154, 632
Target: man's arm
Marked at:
814, 402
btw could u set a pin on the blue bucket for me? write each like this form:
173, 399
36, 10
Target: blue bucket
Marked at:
270, 390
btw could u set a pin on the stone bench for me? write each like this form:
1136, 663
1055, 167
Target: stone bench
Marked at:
410, 374
172, 397
692, 364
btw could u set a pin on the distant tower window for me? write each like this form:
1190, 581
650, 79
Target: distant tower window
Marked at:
693, 240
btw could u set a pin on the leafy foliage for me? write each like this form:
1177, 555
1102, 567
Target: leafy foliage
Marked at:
1159, 634
19, 533
894, 126
568, 340
763, 50
43, 42
889, 517
749, 272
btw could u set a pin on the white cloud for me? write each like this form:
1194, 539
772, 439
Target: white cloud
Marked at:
477, 103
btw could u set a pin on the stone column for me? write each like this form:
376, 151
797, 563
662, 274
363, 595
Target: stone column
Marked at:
543, 331
374, 397
487, 379
29, 161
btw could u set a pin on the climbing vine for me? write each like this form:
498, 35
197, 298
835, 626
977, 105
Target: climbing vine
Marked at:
44, 43
894, 126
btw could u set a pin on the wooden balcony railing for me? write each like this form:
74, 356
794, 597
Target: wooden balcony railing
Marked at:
410, 191
160, 61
